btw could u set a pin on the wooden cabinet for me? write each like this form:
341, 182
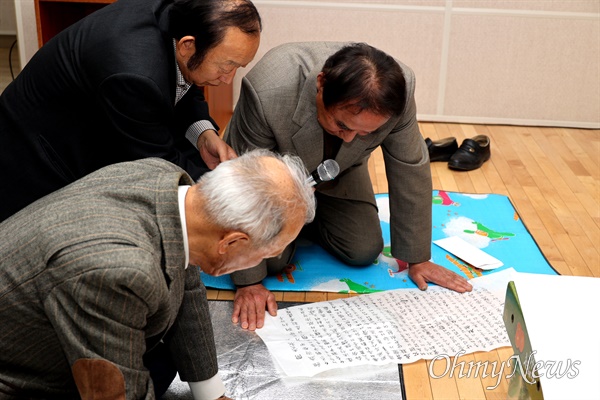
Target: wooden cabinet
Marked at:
53, 16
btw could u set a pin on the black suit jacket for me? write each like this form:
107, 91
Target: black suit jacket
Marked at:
100, 92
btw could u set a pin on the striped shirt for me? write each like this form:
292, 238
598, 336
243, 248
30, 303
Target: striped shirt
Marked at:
182, 86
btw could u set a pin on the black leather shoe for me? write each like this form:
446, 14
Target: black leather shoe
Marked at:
471, 154
441, 150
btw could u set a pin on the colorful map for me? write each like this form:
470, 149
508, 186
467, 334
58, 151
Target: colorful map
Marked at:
487, 221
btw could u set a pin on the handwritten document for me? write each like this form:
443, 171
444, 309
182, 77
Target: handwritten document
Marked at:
399, 326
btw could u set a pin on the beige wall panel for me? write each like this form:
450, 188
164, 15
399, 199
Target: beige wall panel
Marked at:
579, 6
26, 29
8, 21
524, 68
411, 37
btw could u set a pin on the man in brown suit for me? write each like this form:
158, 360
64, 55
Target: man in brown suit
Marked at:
98, 288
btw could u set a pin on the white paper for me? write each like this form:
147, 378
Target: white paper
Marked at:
399, 326
469, 253
563, 324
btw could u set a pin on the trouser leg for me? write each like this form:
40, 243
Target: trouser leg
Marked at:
348, 229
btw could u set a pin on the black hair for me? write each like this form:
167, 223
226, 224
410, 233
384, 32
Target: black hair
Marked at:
361, 76
208, 20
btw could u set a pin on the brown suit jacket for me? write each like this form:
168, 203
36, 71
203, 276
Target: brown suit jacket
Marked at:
93, 272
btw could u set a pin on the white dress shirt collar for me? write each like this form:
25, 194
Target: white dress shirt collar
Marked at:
182, 191
213, 387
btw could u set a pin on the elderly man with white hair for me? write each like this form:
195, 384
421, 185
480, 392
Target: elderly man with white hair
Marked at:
99, 289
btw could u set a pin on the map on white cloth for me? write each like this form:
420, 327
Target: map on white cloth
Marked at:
399, 326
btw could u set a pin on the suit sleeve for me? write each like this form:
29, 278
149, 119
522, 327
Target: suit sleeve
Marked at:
409, 180
191, 340
100, 317
192, 108
248, 128
148, 124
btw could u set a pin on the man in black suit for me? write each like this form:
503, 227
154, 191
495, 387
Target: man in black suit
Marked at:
122, 84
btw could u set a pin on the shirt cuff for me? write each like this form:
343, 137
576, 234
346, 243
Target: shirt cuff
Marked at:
195, 130
209, 389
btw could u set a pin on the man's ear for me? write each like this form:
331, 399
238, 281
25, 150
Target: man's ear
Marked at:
320, 80
186, 46
232, 241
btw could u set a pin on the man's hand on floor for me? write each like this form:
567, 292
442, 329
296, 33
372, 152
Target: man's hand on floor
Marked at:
249, 306
424, 272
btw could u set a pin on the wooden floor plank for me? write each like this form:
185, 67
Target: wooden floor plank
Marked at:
578, 160
416, 381
571, 255
551, 183
335, 296
545, 139
278, 295
225, 295
562, 206
480, 183
540, 202
294, 296
469, 384
491, 375
589, 142
464, 183
591, 206
443, 386
548, 248
313, 297
442, 130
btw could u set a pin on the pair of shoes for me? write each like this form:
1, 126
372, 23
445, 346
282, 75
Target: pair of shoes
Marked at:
471, 154
441, 150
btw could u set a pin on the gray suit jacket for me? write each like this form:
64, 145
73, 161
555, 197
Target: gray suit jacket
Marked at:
96, 270
277, 111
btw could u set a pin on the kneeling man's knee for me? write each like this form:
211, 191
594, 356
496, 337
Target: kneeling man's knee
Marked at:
363, 252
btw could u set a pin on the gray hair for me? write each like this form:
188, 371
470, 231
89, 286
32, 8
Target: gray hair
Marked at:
241, 194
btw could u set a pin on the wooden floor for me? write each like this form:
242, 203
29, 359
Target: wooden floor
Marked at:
552, 176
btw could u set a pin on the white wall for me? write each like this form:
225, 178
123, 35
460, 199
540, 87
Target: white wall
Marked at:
26, 29
8, 22
525, 62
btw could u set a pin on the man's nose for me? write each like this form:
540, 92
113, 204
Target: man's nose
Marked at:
228, 78
348, 136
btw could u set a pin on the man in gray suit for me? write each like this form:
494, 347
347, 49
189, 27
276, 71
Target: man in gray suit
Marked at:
341, 101
96, 296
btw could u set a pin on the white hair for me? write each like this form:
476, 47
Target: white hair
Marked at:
242, 194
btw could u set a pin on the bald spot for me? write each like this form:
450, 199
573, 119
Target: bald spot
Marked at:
279, 176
